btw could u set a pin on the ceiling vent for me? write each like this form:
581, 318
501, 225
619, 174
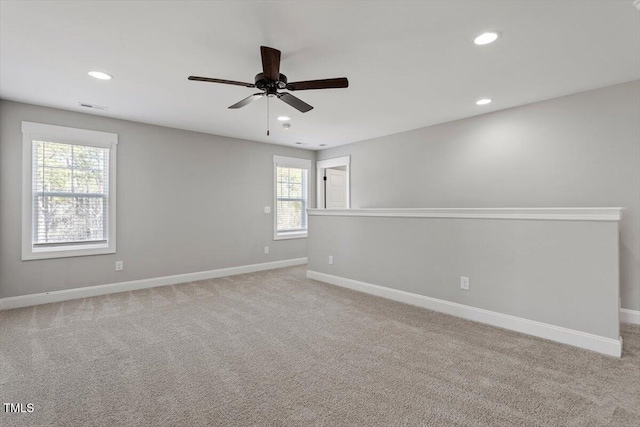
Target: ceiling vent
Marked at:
92, 106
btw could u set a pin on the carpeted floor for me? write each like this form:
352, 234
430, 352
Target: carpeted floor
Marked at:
274, 348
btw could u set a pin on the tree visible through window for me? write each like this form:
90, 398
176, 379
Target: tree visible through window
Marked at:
291, 199
70, 193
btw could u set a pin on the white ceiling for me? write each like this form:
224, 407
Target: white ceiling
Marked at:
409, 64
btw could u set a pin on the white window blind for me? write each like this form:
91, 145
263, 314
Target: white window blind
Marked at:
68, 191
292, 196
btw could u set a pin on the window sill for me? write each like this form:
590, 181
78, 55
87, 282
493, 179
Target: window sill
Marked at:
66, 251
287, 236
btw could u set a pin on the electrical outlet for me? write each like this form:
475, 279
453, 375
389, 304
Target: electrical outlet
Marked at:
464, 283
330, 259
267, 209
266, 250
119, 265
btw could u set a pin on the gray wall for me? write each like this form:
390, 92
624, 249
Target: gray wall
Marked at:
186, 202
580, 150
570, 268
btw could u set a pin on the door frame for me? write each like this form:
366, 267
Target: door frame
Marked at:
321, 165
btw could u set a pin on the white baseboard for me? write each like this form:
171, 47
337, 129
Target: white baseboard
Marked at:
630, 316
604, 345
92, 291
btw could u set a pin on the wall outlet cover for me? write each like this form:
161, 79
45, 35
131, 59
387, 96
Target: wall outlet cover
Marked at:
464, 283
119, 265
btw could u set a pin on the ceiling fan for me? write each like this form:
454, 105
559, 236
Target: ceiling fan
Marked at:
270, 81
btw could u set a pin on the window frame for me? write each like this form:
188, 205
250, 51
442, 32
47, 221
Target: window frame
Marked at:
65, 135
289, 162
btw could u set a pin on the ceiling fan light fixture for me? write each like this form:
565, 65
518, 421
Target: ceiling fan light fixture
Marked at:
486, 38
484, 101
284, 118
270, 80
100, 75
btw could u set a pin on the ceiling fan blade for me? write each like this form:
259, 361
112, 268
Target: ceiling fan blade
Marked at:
227, 82
247, 100
337, 83
296, 103
270, 62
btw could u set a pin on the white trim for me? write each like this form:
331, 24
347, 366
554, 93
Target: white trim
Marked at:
558, 214
37, 131
604, 345
630, 316
335, 162
292, 162
92, 291
321, 165
67, 251
71, 135
290, 235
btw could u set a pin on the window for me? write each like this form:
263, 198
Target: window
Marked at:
292, 197
68, 198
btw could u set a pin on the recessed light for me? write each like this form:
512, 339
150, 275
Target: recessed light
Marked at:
323, 145
486, 38
484, 101
100, 75
284, 118
298, 143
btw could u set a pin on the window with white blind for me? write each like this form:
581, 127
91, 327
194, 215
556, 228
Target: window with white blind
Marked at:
292, 197
68, 196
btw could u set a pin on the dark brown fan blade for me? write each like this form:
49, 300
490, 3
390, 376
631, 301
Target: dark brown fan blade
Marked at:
247, 100
227, 82
270, 62
337, 83
296, 103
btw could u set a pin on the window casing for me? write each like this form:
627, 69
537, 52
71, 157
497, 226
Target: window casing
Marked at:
68, 199
291, 182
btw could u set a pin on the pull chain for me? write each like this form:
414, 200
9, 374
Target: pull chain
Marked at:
267, 115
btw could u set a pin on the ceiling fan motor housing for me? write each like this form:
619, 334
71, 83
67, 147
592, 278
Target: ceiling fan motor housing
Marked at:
270, 86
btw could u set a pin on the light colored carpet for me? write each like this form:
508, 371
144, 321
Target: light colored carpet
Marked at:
274, 348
